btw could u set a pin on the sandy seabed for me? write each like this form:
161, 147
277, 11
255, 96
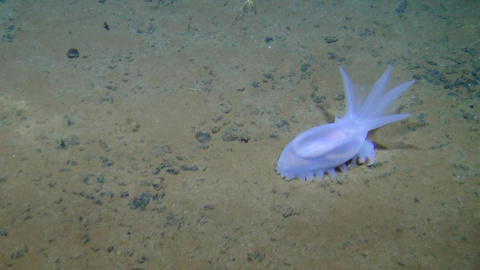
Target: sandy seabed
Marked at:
144, 135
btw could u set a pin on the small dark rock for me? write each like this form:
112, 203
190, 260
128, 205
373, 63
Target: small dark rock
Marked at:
257, 256
304, 67
72, 162
158, 196
20, 252
331, 39
191, 168
73, 53
280, 122
215, 129
233, 134
332, 56
172, 171
141, 201
226, 107
106, 162
65, 143
100, 179
316, 97
366, 32
162, 166
202, 137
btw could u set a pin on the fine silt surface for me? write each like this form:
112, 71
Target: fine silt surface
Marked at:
144, 134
